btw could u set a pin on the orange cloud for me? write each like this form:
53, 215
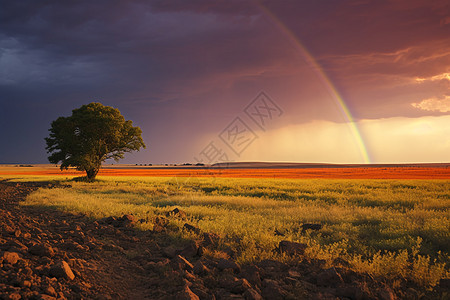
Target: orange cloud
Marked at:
434, 78
434, 104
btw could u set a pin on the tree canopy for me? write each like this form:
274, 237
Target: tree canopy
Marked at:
92, 134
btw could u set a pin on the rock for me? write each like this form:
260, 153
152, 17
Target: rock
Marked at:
10, 257
233, 284
109, 220
251, 294
241, 286
42, 250
329, 277
210, 239
186, 294
200, 251
386, 294
200, 268
18, 246
169, 252
294, 274
177, 213
202, 292
26, 284
412, 294
73, 246
311, 226
252, 274
192, 228
269, 266
182, 263
13, 296
291, 281
125, 221
444, 283
272, 290
278, 233
46, 297
158, 228
228, 264
50, 291
190, 250
61, 270
351, 292
292, 248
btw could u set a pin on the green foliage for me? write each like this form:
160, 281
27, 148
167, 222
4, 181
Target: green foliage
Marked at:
92, 134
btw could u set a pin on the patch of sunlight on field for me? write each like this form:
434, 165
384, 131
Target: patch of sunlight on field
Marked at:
392, 228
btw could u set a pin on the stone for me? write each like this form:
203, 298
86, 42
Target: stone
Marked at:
177, 213
272, 290
202, 292
311, 226
294, 274
186, 294
412, 294
182, 263
16, 246
42, 250
329, 277
228, 264
125, 221
61, 270
386, 294
445, 283
252, 294
169, 252
192, 228
13, 296
190, 250
200, 268
109, 220
210, 239
50, 291
46, 297
252, 274
278, 233
292, 248
10, 257
26, 284
240, 286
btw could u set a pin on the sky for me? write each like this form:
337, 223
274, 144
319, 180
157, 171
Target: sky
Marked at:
352, 81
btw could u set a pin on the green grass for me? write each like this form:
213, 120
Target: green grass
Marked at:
397, 229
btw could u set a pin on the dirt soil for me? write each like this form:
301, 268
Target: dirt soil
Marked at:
48, 254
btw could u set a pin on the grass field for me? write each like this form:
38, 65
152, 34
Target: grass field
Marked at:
396, 229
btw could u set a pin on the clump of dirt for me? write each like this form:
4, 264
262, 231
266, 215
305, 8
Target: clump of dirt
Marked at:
48, 254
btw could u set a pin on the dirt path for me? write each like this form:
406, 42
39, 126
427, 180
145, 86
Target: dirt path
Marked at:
48, 254
34, 242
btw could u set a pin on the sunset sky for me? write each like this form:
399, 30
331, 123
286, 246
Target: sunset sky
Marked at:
302, 81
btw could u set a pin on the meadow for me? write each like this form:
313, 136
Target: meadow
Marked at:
394, 229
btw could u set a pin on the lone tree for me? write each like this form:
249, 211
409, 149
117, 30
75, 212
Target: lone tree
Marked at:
92, 134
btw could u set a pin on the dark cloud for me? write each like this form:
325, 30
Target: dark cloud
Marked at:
176, 65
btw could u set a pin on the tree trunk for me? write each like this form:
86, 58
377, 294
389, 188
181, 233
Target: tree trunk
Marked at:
91, 173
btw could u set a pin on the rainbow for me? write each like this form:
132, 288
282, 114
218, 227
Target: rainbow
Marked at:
322, 76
